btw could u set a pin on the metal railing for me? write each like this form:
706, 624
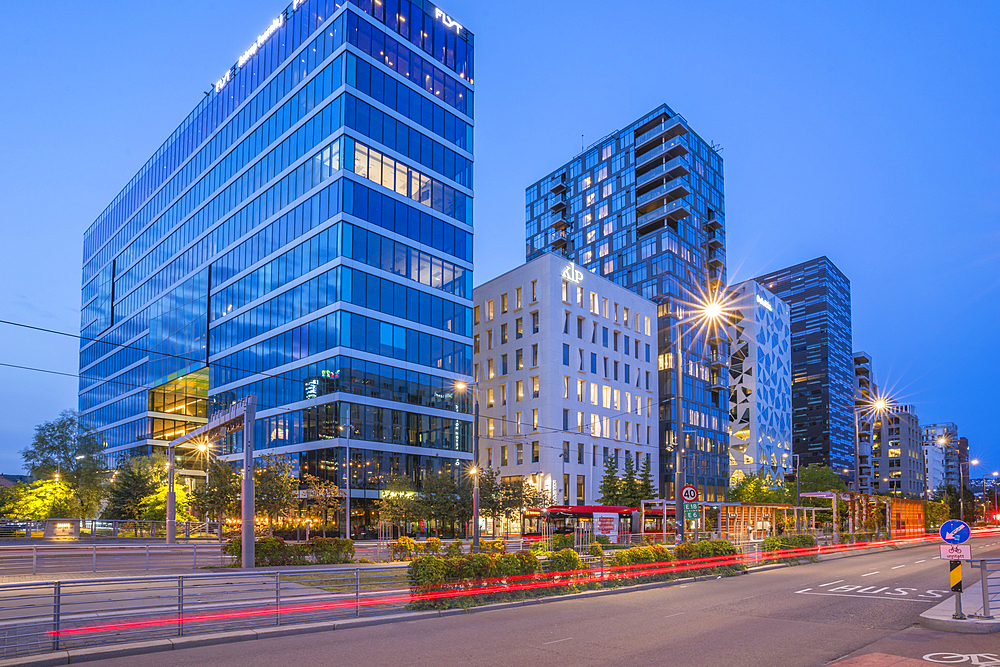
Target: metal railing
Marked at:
36, 559
989, 569
28, 528
57, 615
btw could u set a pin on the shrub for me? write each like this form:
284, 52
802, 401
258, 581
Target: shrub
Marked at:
454, 549
561, 541
497, 546
596, 550
404, 548
432, 545
467, 572
708, 549
603, 539
331, 550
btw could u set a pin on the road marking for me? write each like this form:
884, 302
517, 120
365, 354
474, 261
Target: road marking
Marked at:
831, 583
936, 557
920, 561
870, 574
898, 566
804, 590
556, 641
678, 614
873, 597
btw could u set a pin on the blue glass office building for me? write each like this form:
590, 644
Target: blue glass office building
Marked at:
819, 296
644, 207
304, 235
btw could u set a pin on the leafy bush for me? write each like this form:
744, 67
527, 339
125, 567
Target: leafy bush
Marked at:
603, 540
268, 552
405, 548
562, 541
454, 549
596, 550
331, 550
432, 545
708, 549
497, 546
489, 571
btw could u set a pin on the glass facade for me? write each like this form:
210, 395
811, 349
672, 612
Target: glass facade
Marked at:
305, 235
819, 296
644, 207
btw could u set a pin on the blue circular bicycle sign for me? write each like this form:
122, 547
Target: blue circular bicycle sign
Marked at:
954, 531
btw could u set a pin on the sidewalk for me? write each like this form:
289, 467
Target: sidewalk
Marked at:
939, 617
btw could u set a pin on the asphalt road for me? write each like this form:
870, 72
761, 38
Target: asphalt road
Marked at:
807, 615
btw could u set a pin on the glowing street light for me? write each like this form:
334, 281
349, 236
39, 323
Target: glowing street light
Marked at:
463, 386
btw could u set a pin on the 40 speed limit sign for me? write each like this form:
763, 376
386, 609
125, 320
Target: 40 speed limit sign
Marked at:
689, 493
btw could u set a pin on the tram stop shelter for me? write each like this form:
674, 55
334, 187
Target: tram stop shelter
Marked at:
756, 521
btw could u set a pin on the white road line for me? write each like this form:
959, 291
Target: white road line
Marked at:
936, 557
873, 597
870, 574
831, 583
898, 566
804, 590
920, 561
556, 641
678, 613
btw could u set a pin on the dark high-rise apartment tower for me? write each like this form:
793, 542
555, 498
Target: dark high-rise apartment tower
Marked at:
305, 236
644, 207
822, 362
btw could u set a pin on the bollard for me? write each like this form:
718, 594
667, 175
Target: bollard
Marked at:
956, 587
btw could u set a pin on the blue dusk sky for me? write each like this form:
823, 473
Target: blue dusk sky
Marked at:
866, 132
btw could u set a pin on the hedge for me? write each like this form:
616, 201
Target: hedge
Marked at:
785, 542
274, 552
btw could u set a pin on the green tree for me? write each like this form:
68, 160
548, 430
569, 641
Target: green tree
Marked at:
753, 489
66, 450
491, 496
610, 487
630, 494
154, 506
646, 487
275, 485
42, 499
134, 481
398, 502
324, 494
446, 499
221, 494
948, 494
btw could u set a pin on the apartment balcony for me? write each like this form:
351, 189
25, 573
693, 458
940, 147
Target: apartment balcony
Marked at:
713, 223
557, 186
718, 359
649, 222
558, 221
557, 203
715, 240
667, 150
667, 129
717, 380
557, 238
669, 191
671, 169
716, 259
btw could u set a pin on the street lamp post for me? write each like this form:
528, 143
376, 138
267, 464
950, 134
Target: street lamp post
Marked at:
797, 462
961, 485
461, 386
996, 507
347, 474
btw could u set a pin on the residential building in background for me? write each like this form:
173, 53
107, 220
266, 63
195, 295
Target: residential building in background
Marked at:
898, 453
304, 236
865, 394
940, 442
566, 365
644, 208
819, 296
760, 384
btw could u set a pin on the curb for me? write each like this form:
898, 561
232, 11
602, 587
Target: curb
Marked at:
939, 617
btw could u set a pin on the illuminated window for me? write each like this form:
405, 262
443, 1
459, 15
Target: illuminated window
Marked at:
503, 303
489, 310
518, 390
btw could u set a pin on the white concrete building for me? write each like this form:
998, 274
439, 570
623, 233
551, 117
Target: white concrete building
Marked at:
566, 366
760, 388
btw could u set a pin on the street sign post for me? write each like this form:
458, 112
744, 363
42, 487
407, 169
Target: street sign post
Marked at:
692, 512
956, 552
954, 531
689, 494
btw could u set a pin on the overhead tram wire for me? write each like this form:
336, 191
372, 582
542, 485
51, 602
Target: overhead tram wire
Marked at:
540, 427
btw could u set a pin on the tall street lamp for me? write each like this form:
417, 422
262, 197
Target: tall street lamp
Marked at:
875, 407
347, 474
996, 507
462, 386
961, 485
706, 312
797, 462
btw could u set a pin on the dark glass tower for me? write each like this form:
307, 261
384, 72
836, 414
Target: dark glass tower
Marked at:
822, 361
305, 235
644, 207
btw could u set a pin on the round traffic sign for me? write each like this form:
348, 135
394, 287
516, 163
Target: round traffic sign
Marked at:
689, 494
954, 531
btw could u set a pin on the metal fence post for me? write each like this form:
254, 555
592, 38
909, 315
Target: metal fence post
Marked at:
357, 591
195, 556
34, 560
56, 613
277, 598
984, 580
95, 558
180, 605
147, 558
